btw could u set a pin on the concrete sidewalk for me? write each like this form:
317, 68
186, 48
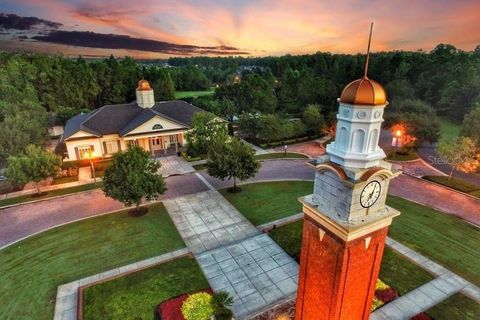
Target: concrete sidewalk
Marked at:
232, 253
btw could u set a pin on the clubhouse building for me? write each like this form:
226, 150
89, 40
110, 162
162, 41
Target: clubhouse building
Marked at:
158, 127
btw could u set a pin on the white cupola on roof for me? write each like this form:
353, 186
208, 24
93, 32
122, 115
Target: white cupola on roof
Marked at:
144, 93
360, 116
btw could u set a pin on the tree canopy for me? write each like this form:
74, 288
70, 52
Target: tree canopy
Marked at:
34, 165
232, 159
132, 176
205, 128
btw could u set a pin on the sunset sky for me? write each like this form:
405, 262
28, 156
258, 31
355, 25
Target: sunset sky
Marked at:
163, 28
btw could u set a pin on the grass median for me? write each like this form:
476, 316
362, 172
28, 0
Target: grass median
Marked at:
33, 268
49, 194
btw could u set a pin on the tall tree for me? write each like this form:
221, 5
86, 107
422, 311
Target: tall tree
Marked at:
232, 160
205, 128
131, 177
471, 124
34, 165
461, 155
313, 119
23, 124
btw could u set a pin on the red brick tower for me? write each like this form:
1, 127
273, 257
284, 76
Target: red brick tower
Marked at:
346, 219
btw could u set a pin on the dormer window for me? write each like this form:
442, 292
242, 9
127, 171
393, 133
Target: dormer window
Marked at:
157, 127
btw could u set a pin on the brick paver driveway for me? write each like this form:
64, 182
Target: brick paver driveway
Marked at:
21, 221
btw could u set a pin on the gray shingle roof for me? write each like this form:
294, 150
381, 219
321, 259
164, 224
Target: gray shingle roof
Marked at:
123, 118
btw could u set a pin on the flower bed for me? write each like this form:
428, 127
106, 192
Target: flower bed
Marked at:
172, 308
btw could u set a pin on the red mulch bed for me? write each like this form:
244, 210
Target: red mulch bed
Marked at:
171, 309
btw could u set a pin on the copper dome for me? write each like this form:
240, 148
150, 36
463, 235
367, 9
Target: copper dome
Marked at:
143, 85
364, 92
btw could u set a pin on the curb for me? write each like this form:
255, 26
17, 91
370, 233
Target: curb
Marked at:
45, 199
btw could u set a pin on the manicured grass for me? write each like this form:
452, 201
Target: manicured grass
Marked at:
280, 155
269, 201
61, 180
199, 167
403, 155
49, 194
449, 130
396, 271
476, 193
400, 273
32, 269
457, 306
446, 239
135, 296
454, 183
191, 94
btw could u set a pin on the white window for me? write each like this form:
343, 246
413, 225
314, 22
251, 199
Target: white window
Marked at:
156, 141
173, 139
133, 142
111, 147
84, 152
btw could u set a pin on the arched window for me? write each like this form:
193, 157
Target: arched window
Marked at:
372, 141
342, 139
358, 140
157, 127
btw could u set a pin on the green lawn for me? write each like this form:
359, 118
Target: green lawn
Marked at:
457, 306
455, 183
446, 239
449, 131
61, 180
396, 271
269, 201
192, 94
32, 269
135, 296
49, 194
402, 155
280, 155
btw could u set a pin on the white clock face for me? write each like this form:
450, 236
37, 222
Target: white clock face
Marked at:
370, 194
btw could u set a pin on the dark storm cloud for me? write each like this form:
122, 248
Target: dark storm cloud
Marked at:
13, 22
115, 41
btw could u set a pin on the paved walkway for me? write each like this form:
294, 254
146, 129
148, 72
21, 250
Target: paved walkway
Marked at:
232, 253
313, 148
418, 168
206, 221
66, 304
428, 295
257, 149
85, 174
174, 165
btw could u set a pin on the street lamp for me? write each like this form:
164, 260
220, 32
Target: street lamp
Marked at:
91, 155
398, 134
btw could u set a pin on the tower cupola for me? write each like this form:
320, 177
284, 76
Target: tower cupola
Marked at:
144, 93
360, 116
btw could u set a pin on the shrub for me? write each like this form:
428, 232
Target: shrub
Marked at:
198, 306
224, 314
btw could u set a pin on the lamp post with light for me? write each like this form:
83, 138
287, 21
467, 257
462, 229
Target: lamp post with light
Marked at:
398, 134
91, 155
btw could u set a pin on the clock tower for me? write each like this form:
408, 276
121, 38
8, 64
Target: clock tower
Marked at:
346, 218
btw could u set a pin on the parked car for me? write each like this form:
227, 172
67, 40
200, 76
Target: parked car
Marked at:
3, 178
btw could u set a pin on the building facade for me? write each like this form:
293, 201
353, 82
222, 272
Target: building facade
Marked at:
158, 127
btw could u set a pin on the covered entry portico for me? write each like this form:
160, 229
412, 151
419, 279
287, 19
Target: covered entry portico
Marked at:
159, 144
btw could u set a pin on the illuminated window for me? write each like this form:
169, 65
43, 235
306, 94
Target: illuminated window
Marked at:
84, 151
157, 127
